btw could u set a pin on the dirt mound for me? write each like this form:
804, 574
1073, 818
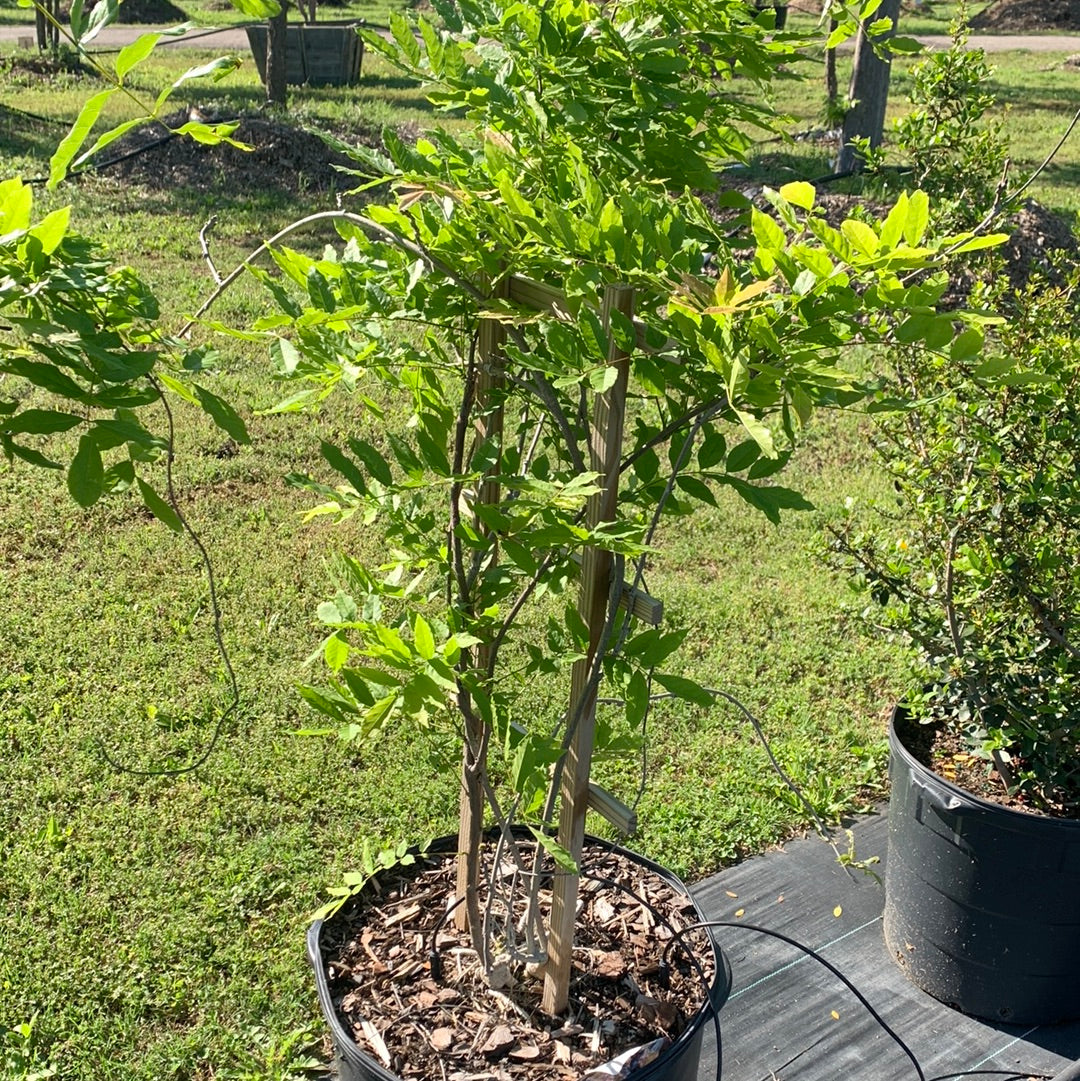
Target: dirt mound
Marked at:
1022, 16
1037, 238
285, 160
1036, 234
151, 12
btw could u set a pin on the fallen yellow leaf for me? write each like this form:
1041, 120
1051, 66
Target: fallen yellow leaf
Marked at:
835, 1016
730, 894
837, 912
739, 912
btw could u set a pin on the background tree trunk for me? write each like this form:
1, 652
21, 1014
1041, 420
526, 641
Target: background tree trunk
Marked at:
276, 72
869, 92
54, 28
832, 87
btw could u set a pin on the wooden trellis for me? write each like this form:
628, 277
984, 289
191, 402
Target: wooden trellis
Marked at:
578, 793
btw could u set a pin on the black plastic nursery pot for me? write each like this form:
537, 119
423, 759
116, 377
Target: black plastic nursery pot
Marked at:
678, 1062
982, 903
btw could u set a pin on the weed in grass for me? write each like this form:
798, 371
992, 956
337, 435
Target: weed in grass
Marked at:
20, 1058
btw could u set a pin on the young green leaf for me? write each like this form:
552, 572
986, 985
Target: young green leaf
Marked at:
69, 145
223, 415
685, 688
159, 508
52, 229
257, 9
16, 204
135, 53
86, 474
104, 14
760, 434
345, 466
918, 217
335, 652
423, 638
39, 422
563, 860
799, 193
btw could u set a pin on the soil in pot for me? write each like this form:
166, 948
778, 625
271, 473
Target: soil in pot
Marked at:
448, 1024
942, 751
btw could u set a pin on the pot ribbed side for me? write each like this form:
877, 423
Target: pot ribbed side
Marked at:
982, 903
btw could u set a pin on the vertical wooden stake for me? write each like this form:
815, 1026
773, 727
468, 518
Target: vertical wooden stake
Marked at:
488, 404
605, 452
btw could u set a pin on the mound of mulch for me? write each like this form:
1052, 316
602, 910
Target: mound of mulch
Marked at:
1036, 233
1022, 16
150, 13
30, 66
285, 159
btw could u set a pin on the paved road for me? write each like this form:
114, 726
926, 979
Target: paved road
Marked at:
229, 39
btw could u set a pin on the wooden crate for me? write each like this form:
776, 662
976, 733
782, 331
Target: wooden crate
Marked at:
325, 54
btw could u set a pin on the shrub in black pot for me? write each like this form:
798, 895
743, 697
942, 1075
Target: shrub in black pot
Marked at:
978, 570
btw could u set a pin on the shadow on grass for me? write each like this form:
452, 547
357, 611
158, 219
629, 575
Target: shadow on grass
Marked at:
782, 165
21, 137
1062, 175
1037, 98
389, 82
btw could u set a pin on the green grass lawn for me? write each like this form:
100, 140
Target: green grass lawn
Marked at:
153, 927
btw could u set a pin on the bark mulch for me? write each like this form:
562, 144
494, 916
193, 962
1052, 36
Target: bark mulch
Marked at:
447, 1024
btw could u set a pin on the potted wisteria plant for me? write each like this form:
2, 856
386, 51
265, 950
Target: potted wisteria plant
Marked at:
580, 345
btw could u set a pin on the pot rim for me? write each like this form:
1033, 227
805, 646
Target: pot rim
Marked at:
715, 996
958, 792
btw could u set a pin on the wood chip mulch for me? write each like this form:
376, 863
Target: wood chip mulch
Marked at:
451, 1026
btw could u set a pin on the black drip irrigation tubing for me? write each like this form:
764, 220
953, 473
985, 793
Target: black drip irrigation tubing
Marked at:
899, 170
181, 39
34, 116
